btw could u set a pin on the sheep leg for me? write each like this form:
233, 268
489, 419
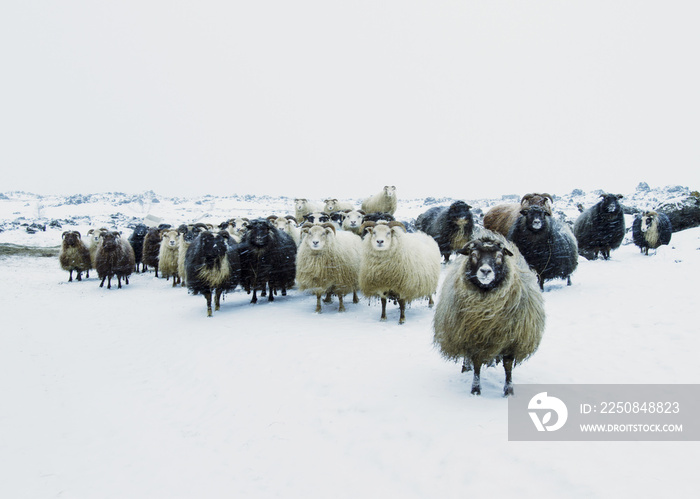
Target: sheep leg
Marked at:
383, 317
476, 382
80, 275
109, 282
329, 297
508, 366
431, 302
540, 280
87, 274
70, 276
207, 296
355, 298
402, 310
254, 299
217, 298
270, 294
318, 303
119, 282
341, 307
568, 280
103, 281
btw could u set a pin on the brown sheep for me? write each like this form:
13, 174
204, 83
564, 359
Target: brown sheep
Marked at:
74, 255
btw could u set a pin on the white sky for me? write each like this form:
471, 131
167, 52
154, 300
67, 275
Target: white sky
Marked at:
317, 98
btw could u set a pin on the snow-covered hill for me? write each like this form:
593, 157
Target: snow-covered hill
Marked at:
136, 393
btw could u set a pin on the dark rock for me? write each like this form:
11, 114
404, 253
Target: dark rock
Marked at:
683, 213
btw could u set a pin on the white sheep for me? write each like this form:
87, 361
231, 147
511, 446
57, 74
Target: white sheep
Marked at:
303, 206
382, 202
93, 240
328, 261
332, 204
489, 308
289, 225
168, 255
353, 221
398, 265
236, 227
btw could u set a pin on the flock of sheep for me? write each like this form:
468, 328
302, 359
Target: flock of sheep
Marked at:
490, 306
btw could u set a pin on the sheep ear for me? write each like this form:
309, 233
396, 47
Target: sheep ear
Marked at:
620, 196
507, 252
523, 212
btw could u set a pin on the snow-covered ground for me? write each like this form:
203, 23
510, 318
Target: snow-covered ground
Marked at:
136, 393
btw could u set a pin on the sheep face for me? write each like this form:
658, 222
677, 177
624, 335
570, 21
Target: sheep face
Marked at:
170, 238
353, 220
71, 238
140, 231
390, 191
535, 218
317, 236
331, 205
213, 247
611, 203
237, 226
110, 240
486, 266
648, 220
381, 237
259, 233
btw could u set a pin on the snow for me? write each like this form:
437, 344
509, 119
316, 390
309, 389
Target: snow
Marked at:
136, 393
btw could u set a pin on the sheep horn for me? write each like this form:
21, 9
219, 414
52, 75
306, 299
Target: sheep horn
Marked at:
397, 224
327, 225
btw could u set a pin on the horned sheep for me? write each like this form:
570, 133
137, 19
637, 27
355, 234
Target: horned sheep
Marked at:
74, 255
328, 261
548, 245
489, 309
382, 202
651, 230
501, 217
398, 265
115, 257
600, 228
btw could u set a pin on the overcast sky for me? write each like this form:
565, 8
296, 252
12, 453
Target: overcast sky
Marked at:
317, 98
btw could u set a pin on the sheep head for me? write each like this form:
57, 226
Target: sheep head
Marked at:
71, 237
382, 234
610, 203
316, 236
535, 218
486, 265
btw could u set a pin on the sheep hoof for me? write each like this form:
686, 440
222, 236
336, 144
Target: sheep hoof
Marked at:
508, 390
209, 313
476, 390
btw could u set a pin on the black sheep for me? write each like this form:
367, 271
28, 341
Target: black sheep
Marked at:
451, 226
548, 245
268, 259
212, 264
600, 228
151, 249
114, 256
136, 240
651, 230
